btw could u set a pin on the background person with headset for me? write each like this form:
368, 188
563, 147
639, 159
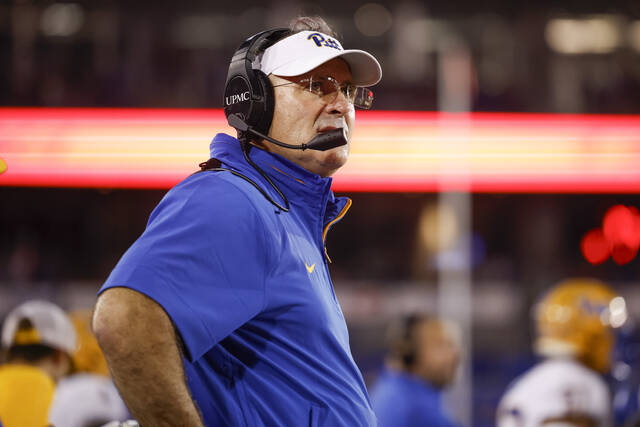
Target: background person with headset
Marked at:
223, 311
423, 359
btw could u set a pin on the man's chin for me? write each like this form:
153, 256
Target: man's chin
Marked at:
334, 159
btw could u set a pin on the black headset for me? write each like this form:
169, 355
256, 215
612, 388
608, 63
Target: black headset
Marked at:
248, 93
401, 338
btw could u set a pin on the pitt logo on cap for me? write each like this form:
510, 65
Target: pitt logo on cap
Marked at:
320, 40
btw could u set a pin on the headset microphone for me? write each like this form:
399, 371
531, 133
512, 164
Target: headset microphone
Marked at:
322, 142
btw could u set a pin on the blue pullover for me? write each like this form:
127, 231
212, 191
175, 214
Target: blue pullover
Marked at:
403, 400
248, 288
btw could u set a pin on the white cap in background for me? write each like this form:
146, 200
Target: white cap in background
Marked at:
51, 327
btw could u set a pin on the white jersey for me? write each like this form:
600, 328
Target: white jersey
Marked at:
86, 399
554, 389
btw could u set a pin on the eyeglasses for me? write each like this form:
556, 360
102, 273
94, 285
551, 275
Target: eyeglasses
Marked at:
328, 89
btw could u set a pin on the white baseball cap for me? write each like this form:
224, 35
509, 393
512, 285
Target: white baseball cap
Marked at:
306, 50
51, 327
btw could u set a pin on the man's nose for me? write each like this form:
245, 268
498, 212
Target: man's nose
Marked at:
340, 104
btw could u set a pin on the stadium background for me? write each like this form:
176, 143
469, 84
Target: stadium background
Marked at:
572, 57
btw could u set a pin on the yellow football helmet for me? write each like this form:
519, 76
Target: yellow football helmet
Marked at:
577, 318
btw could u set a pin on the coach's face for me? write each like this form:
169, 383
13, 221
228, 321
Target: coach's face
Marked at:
301, 115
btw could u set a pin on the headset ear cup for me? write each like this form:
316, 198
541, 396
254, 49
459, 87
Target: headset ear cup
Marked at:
409, 359
406, 340
248, 93
266, 105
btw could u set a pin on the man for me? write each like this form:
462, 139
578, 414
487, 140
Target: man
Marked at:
223, 311
37, 341
424, 354
575, 325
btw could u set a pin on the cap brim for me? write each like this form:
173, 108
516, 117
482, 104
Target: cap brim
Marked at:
365, 69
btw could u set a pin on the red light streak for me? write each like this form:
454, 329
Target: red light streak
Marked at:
391, 151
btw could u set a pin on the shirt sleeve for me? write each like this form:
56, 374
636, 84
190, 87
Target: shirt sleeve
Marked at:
203, 258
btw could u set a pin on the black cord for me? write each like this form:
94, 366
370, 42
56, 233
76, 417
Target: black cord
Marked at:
246, 147
214, 164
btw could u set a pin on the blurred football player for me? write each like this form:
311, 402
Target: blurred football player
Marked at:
38, 340
575, 324
424, 353
88, 397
